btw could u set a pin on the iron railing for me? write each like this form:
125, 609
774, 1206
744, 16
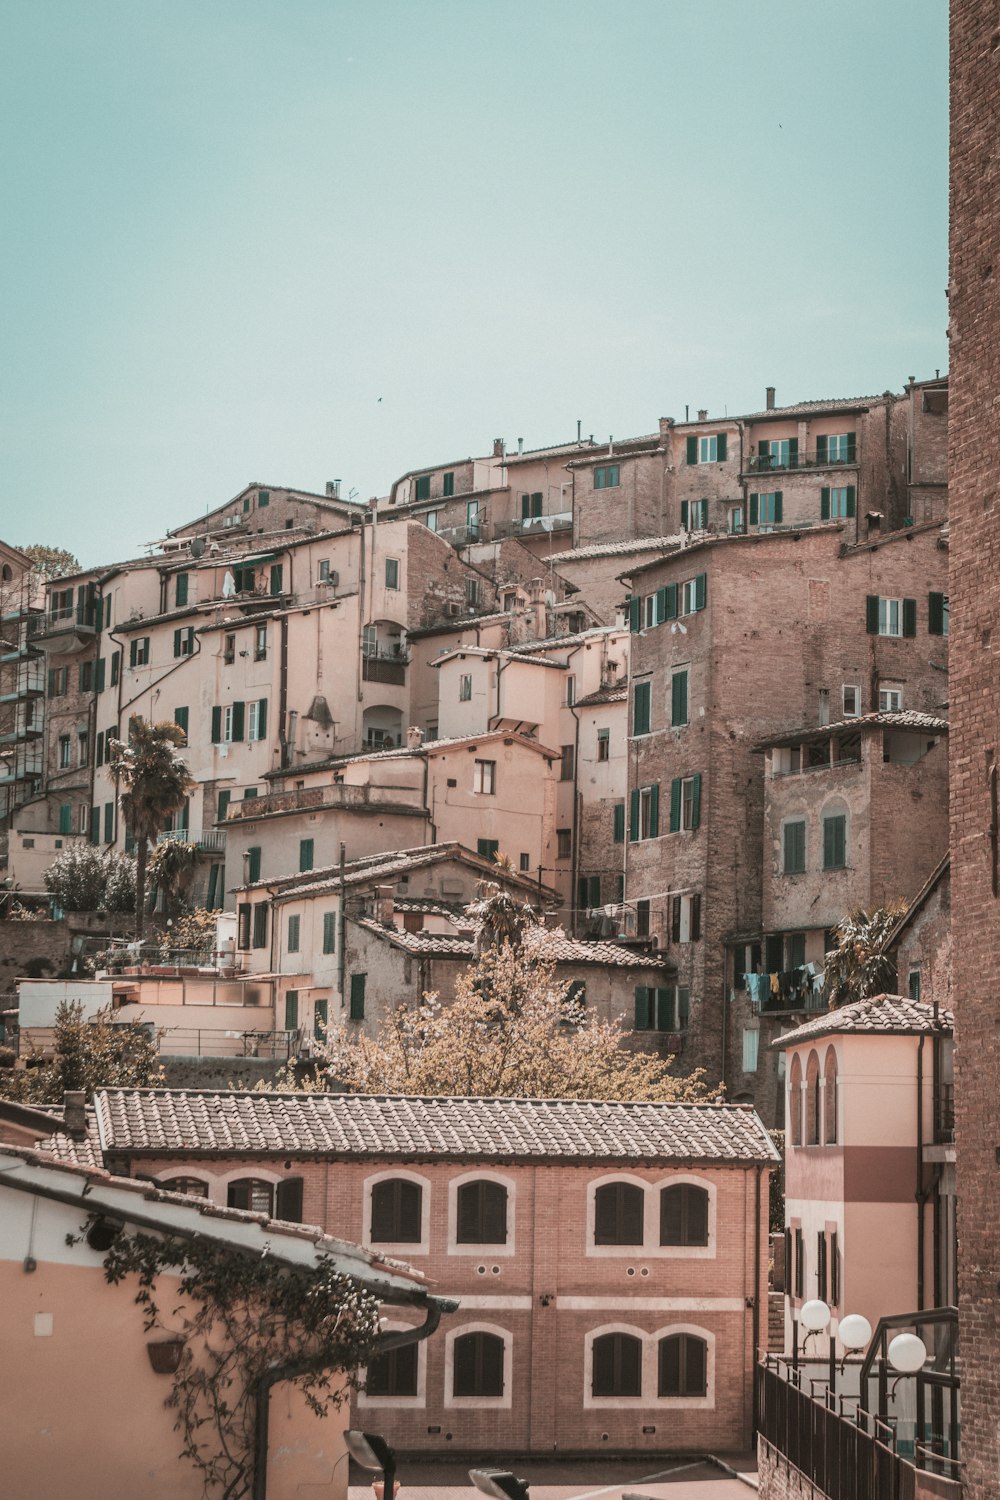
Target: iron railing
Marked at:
759, 463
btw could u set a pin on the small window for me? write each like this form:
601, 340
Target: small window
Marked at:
678, 699
191, 1187
641, 700
260, 643
794, 840
683, 1214
618, 1214
567, 763
448, 484
422, 489
478, 1365
359, 983
396, 1211
432, 518
481, 1213
260, 925
890, 700
603, 744
293, 933
616, 1365
524, 863
693, 594
913, 983
682, 1366
465, 688
229, 649
570, 691
392, 572
251, 1193
737, 522
306, 851
564, 843
488, 848
751, 1048
608, 477
64, 751
890, 617
263, 498
708, 450
323, 570
484, 777
835, 842
393, 1373
321, 1011
852, 701
830, 1098
329, 932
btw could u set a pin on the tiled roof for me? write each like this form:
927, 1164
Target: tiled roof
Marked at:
940, 872
374, 867
523, 653
615, 549
577, 637
905, 719
402, 752
613, 693
223, 1122
882, 1015
563, 949
428, 906
806, 408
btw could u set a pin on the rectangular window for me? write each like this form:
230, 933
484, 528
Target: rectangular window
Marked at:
685, 803
305, 855
432, 517
323, 573
685, 919
465, 688
937, 614
392, 572
852, 701
82, 747
751, 1047
243, 921
253, 864
294, 924
694, 515
222, 805
737, 525
116, 662
181, 720
448, 484
263, 499
358, 982
835, 842
678, 699
329, 932
109, 822
603, 744
291, 1006
260, 643
257, 720
216, 887
422, 490
607, 477
181, 590
260, 925
649, 812
588, 894
277, 574
564, 843
321, 1010
641, 700
531, 506
841, 504
524, 863
85, 676
484, 777
663, 1009
184, 641
693, 594
487, 848
472, 593
712, 450
66, 818
890, 700
619, 822
777, 453
839, 447
892, 617
570, 691
913, 984
567, 763
64, 751
794, 839
139, 651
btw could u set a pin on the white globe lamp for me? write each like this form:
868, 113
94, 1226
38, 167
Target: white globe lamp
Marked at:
814, 1315
907, 1353
855, 1331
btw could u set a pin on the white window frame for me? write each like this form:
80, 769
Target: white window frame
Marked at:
570, 691
737, 520
221, 1183
890, 613
227, 724
481, 1252
323, 570
687, 803
687, 595
621, 1403
484, 778
465, 688
708, 449
65, 752
392, 587
253, 718
490, 1403
213, 1195
420, 1399
645, 830
855, 712
767, 510
405, 1250
651, 1249
697, 515
837, 448
432, 519
890, 698
838, 502
751, 1048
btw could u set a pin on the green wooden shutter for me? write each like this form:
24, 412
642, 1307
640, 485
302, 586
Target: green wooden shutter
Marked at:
276, 572
692, 450
177, 643
764, 454
675, 805
640, 708
253, 864
696, 801
665, 1010
95, 825
619, 822
683, 1007
720, 447
181, 720
291, 1010
357, 1012
99, 675
329, 932
678, 699
213, 887
643, 1018
684, 515
909, 617
66, 818
824, 503
116, 657
216, 725
851, 500
700, 591
793, 453
109, 822
306, 847
778, 498
51, 690
660, 613
654, 810
182, 590
239, 719
935, 614
754, 509
633, 815
262, 719
821, 448
670, 607
133, 651
635, 614
871, 614
851, 447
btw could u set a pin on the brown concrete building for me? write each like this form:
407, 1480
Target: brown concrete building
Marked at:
609, 1259
974, 479
921, 942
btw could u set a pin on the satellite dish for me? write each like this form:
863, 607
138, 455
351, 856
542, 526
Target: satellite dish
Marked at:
198, 547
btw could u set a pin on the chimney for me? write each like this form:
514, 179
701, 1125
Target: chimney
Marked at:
702, 414
75, 1113
333, 488
384, 905
414, 737
520, 445
769, 397
498, 447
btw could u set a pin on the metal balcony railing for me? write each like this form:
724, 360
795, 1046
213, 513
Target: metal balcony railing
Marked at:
768, 463
209, 841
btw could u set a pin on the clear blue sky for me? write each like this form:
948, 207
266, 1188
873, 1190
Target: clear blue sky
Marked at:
230, 228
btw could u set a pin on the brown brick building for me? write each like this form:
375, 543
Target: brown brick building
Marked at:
974, 463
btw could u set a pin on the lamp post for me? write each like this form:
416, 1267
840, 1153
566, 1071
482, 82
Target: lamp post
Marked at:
499, 1484
855, 1332
373, 1452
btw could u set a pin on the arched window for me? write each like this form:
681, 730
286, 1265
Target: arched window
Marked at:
812, 1101
251, 1193
193, 1187
618, 1211
393, 1373
795, 1101
682, 1365
683, 1214
396, 1209
478, 1365
830, 1097
616, 1365
8, 573
482, 1213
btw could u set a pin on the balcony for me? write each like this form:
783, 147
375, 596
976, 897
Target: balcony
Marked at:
944, 1113
781, 463
529, 526
209, 841
336, 796
385, 661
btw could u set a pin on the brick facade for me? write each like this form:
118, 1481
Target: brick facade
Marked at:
974, 478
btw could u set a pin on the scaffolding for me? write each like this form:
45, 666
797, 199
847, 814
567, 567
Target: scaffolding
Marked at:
22, 683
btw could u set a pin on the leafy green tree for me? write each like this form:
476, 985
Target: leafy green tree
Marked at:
859, 965
171, 869
84, 878
88, 1055
153, 784
50, 562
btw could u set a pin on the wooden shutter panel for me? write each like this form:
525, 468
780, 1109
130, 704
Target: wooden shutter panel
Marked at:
678, 698
824, 503
852, 442
700, 590
821, 1264
642, 1017
821, 449
619, 822
239, 718
288, 1200
490, 1351
216, 725
675, 919
494, 1213
696, 801
692, 450
793, 453
871, 614
177, 643
654, 811
665, 1010
670, 1215
778, 505
683, 1007
720, 447
670, 610
935, 614
660, 613
262, 719
675, 805
754, 509
635, 614
684, 515
909, 617
633, 815
694, 1366
602, 1377
852, 500
834, 1270
670, 1366
695, 918
697, 1215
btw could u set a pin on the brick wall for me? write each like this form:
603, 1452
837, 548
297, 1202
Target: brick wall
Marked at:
926, 945
974, 482
37, 950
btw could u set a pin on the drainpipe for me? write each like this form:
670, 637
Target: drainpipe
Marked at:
575, 871
921, 1195
342, 964
756, 1299
317, 1365
283, 693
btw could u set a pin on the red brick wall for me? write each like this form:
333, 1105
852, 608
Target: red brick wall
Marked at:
547, 1375
974, 475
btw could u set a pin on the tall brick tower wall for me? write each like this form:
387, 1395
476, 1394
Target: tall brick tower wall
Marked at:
974, 482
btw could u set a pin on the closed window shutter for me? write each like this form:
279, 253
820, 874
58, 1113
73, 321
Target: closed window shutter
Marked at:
695, 918
871, 614
216, 725
935, 614
778, 506
670, 609
821, 449
671, 1215
253, 864
239, 716
851, 500
654, 811
793, 453
851, 447
466, 1365
633, 815
696, 801
700, 591
909, 617
675, 919
177, 643
678, 698
262, 718
665, 1009
824, 503
821, 1264
357, 1012
692, 450
669, 1383
602, 1379
288, 1204
182, 589
642, 1009
329, 931
754, 509
697, 1215
720, 448
684, 515
694, 1366
661, 605
619, 822
95, 825
675, 805
635, 614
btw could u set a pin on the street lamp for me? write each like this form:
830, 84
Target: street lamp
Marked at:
854, 1330
499, 1484
373, 1452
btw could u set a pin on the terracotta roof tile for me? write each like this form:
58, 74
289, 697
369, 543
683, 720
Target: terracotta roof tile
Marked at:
904, 719
564, 950
882, 1015
615, 549
221, 1122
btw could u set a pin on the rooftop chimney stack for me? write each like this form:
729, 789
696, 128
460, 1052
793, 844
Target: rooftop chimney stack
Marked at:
498, 447
75, 1113
770, 398
702, 414
414, 737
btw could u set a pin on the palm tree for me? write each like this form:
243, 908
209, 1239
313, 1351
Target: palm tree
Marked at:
153, 783
498, 916
859, 966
